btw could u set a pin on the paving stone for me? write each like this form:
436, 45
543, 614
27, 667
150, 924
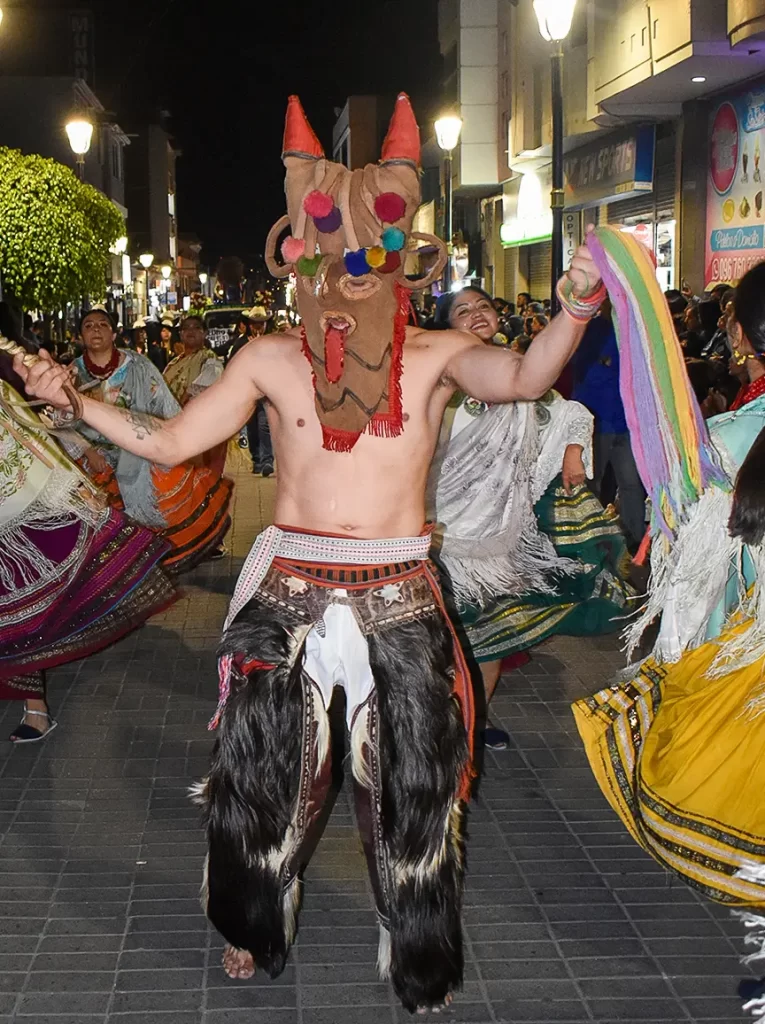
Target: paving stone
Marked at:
101, 853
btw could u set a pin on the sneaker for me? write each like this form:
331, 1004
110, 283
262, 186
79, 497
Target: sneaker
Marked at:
268, 471
496, 739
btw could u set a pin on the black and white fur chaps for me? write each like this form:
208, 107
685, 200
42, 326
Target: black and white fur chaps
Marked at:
270, 778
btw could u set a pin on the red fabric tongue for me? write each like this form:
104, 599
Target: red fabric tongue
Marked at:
334, 353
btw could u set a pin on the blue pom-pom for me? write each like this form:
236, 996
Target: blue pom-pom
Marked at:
356, 263
393, 239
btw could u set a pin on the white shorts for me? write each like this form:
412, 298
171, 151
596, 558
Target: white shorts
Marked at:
340, 657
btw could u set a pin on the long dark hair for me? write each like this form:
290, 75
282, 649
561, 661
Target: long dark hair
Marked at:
747, 519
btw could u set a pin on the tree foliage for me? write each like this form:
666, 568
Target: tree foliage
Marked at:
55, 232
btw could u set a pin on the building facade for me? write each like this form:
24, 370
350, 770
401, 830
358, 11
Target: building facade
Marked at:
660, 100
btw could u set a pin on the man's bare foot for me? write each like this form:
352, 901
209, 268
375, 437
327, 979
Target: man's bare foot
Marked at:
422, 1010
238, 963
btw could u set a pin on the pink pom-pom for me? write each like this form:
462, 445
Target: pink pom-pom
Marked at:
292, 249
390, 207
318, 204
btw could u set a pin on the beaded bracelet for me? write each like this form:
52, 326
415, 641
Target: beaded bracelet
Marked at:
579, 307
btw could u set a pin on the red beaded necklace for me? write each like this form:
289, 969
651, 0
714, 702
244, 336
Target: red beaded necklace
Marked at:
748, 394
102, 372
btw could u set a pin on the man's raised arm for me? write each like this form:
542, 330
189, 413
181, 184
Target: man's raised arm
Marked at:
213, 417
494, 374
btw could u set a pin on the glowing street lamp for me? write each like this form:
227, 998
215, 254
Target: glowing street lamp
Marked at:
119, 247
448, 129
166, 272
555, 17
80, 134
146, 259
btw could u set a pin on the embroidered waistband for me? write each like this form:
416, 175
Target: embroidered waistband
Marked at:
275, 542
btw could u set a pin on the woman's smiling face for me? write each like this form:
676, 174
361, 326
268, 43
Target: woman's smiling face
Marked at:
475, 313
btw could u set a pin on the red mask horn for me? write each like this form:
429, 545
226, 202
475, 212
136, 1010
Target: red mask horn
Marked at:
402, 143
299, 137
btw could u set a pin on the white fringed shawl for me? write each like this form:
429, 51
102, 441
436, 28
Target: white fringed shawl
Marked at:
487, 479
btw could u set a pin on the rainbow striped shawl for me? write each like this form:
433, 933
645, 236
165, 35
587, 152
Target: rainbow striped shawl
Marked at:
674, 455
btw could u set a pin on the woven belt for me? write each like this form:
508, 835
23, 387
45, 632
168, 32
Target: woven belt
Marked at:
312, 547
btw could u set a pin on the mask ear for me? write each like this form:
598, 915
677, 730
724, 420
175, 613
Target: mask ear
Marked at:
274, 268
402, 143
437, 269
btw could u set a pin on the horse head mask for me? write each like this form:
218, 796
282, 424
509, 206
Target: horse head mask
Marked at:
349, 232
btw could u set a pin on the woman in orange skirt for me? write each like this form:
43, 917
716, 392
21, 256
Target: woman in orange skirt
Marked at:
188, 504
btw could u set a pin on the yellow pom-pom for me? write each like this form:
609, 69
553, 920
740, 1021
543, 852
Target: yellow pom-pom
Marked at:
376, 256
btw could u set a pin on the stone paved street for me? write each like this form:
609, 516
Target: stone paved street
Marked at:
101, 857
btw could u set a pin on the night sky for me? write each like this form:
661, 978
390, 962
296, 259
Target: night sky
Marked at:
224, 71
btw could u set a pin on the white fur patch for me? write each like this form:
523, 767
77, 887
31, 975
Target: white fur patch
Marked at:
427, 866
204, 892
290, 905
383, 953
359, 740
321, 718
198, 792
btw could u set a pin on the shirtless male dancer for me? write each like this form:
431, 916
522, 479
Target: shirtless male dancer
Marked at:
340, 592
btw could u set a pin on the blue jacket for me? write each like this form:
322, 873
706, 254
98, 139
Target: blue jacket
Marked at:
596, 377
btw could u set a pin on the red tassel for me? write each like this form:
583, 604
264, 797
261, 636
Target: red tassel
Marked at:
644, 550
254, 664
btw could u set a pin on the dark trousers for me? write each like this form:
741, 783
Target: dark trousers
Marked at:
259, 439
615, 450
271, 775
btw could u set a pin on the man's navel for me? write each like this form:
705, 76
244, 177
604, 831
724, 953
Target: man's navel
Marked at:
301, 423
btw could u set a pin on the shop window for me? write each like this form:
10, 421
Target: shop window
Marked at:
661, 237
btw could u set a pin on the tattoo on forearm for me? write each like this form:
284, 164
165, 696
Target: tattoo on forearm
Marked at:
142, 423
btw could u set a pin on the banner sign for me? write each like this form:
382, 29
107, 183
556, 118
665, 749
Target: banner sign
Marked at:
735, 238
615, 166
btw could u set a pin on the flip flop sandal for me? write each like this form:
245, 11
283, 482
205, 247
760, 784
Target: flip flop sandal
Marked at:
24, 733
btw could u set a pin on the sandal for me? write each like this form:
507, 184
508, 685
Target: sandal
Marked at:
24, 733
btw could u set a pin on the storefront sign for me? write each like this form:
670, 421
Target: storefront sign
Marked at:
735, 228
81, 35
527, 214
572, 235
615, 167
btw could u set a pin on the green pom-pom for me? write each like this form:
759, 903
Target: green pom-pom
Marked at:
308, 265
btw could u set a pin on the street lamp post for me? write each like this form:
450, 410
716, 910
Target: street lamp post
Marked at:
203, 281
555, 17
80, 133
146, 259
448, 129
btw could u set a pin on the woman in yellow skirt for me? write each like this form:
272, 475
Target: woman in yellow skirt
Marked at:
679, 750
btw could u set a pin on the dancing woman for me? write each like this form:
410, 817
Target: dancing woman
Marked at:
187, 504
529, 550
75, 575
679, 750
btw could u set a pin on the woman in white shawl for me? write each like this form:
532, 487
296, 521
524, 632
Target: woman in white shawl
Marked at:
528, 549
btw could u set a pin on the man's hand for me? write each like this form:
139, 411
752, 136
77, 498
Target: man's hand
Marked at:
573, 470
583, 274
45, 379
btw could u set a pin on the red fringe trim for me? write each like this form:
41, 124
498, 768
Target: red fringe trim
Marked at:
336, 440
